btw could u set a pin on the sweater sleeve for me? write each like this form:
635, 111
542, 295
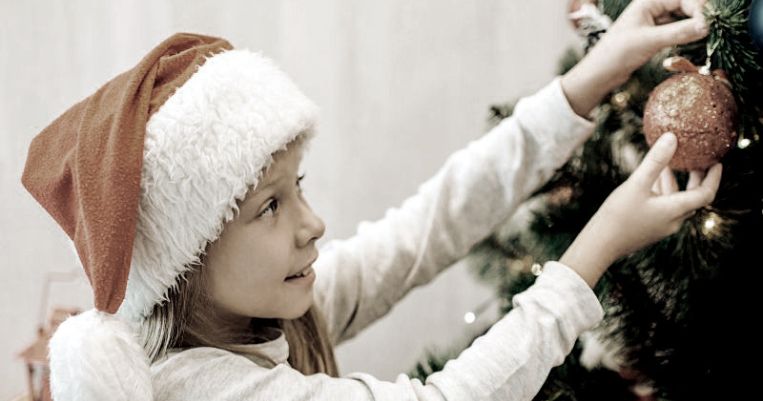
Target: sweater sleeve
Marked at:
359, 279
509, 362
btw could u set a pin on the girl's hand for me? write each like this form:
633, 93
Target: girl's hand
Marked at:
644, 209
644, 28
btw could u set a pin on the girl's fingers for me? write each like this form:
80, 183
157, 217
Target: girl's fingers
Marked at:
655, 160
683, 202
661, 183
668, 182
693, 8
688, 214
656, 188
658, 8
695, 177
664, 19
677, 33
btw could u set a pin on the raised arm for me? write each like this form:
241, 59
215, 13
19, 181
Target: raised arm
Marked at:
477, 188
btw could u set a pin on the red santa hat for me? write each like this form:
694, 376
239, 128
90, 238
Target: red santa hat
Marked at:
141, 175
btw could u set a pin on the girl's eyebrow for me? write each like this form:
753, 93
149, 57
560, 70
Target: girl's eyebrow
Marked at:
270, 184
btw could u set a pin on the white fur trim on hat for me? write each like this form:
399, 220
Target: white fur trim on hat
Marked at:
98, 342
204, 148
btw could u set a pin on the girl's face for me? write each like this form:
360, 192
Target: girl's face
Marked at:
261, 264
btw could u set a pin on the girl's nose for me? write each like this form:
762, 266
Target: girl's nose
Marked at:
312, 227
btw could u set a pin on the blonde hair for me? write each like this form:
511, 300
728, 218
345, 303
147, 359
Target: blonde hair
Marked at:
187, 320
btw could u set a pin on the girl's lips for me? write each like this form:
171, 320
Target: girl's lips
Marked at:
307, 279
307, 266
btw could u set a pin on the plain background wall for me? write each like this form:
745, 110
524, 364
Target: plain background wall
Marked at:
401, 85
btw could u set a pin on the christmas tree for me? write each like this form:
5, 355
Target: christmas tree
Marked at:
680, 313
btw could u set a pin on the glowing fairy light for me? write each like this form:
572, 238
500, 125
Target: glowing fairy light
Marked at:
743, 143
470, 317
620, 100
711, 224
536, 269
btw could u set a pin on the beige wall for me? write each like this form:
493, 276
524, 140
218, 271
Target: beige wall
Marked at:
401, 84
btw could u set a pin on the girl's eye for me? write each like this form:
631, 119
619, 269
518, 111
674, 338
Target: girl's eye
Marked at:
272, 207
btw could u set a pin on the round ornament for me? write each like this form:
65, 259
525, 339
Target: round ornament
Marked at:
700, 110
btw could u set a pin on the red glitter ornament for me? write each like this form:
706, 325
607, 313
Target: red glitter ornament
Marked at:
699, 109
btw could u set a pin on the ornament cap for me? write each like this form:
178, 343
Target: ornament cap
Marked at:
679, 64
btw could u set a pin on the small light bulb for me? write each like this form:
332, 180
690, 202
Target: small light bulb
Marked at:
620, 99
470, 317
709, 224
536, 269
743, 143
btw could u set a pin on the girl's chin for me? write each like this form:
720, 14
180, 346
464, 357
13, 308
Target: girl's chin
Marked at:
300, 304
298, 313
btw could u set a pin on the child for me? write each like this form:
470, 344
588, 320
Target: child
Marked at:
178, 182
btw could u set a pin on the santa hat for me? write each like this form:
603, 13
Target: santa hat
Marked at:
141, 175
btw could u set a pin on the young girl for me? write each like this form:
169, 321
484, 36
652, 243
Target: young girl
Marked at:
179, 183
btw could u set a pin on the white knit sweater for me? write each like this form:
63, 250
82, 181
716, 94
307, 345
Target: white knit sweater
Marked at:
359, 279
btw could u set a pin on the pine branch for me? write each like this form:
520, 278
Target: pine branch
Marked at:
733, 51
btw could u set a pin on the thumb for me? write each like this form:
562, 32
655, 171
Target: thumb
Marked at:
655, 160
678, 33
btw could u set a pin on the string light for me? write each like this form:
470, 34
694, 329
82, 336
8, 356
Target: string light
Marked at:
470, 317
536, 269
743, 143
620, 100
711, 224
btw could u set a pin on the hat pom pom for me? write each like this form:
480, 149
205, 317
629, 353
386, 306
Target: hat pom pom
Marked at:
95, 356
